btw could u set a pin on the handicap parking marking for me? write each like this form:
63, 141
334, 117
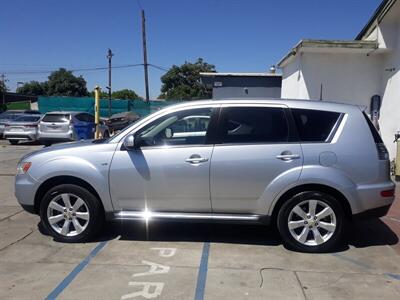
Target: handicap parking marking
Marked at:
202, 275
71, 276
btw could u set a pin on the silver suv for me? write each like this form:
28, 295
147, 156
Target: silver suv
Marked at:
306, 167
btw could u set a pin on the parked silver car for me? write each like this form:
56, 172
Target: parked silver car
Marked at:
63, 126
11, 115
304, 166
24, 127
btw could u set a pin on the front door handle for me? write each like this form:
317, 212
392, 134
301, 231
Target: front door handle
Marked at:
196, 159
287, 157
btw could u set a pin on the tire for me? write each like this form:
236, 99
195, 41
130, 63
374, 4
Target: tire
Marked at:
13, 142
79, 224
313, 232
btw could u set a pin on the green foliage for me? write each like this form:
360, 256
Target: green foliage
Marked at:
183, 82
33, 88
64, 83
3, 87
19, 105
103, 95
125, 94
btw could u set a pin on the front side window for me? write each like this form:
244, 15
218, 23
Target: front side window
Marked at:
187, 127
254, 125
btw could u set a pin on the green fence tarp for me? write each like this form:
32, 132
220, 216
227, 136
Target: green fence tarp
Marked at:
86, 104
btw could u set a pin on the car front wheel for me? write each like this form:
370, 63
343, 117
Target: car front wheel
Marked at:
71, 213
311, 222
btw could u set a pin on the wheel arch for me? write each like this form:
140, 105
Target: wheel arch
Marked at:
57, 180
312, 187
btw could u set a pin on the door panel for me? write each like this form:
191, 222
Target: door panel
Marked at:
241, 173
256, 145
169, 171
161, 179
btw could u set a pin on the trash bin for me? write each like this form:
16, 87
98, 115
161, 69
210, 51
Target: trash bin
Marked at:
84, 130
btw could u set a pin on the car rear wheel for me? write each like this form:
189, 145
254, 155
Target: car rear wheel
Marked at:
71, 213
311, 222
13, 142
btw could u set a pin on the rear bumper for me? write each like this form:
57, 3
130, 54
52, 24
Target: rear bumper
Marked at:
20, 136
373, 213
56, 136
368, 197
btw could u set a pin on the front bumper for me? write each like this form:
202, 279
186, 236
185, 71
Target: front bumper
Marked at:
25, 191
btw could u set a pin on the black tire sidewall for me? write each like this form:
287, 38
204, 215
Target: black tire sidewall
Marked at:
94, 207
290, 241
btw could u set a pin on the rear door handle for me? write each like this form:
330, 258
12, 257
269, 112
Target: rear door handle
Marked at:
287, 156
196, 160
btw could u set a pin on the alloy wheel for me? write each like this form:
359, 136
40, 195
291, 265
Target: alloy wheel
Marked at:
312, 222
68, 214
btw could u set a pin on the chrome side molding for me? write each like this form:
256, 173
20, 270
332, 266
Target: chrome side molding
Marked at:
147, 215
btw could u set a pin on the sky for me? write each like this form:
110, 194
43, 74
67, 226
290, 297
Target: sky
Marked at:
234, 35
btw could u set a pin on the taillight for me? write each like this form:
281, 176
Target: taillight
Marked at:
387, 193
383, 154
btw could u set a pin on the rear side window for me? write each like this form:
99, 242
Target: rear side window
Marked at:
315, 125
254, 125
56, 118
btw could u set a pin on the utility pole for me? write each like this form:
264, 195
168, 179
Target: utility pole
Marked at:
146, 71
109, 56
3, 80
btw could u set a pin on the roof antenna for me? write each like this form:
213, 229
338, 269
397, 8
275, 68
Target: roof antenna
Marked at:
320, 93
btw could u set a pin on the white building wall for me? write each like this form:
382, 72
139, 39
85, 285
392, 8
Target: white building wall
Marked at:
345, 77
390, 90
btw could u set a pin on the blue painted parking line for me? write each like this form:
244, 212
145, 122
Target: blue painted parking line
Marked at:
361, 264
202, 275
71, 276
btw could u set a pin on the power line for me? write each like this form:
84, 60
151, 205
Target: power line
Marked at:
23, 72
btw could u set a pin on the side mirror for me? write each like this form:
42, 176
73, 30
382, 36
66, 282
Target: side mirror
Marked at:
129, 142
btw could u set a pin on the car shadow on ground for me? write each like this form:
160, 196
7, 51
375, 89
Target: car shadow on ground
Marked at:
359, 234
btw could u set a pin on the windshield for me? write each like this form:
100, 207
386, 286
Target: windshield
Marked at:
9, 116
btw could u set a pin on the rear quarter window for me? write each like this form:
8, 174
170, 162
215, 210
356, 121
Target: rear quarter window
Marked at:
315, 125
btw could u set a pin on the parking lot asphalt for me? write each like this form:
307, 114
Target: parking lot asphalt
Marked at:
194, 261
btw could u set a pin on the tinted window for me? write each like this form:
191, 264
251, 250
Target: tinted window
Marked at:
28, 119
81, 117
89, 118
314, 125
254, 125
187, 127
56, 118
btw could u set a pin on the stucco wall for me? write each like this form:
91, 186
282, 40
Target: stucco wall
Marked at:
345, 77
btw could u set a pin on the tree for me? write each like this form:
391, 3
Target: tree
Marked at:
103, 95
125, 94
3, 87
33, 88
183, 82
64, 83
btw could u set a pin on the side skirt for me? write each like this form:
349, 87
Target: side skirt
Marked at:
190, 217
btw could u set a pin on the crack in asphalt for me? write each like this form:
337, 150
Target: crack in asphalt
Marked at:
13, 243
12, 215
271, 268
301, 286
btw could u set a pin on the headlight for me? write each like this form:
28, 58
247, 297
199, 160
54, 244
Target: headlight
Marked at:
23, 167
